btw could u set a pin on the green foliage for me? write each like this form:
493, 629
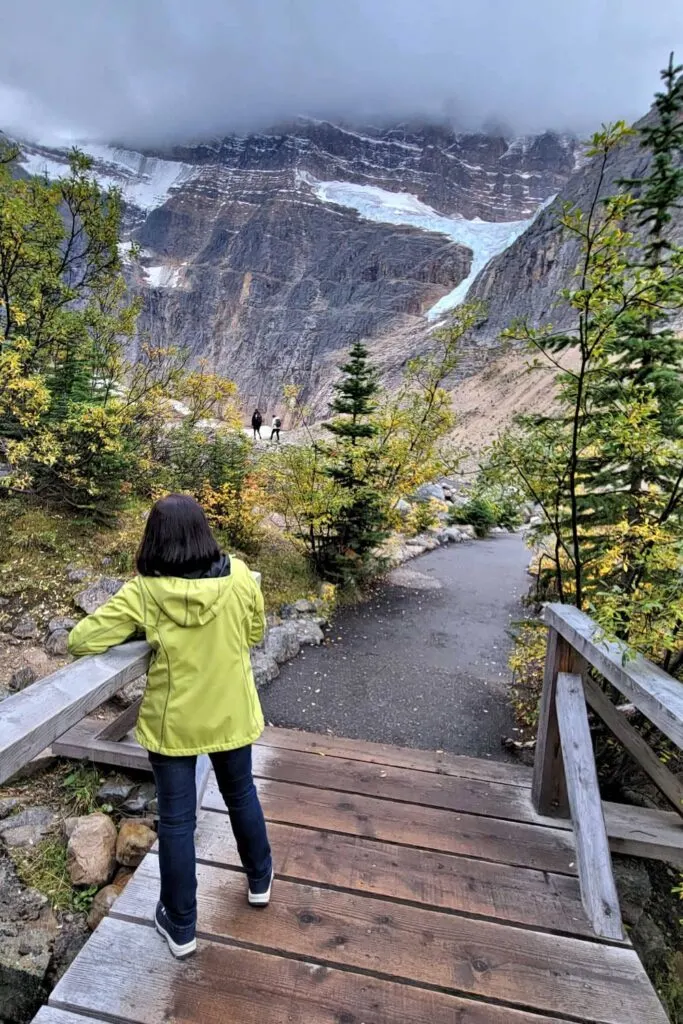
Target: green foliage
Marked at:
44, 867
422, 516
80, 787
479, 512
338, 498
80, 426
606, 468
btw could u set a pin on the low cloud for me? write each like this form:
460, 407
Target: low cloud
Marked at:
156, 71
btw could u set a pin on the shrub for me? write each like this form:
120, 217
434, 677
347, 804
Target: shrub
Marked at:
422, 516
479, 512
233, 512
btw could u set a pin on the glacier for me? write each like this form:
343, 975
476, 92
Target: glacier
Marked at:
486, 239
145, 182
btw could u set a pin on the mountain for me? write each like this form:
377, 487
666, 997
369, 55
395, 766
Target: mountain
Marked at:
270, 254
525, 280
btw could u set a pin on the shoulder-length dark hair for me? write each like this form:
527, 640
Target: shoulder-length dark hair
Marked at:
177, 539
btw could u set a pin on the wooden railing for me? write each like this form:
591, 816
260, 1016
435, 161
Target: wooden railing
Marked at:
32, 720
565, 781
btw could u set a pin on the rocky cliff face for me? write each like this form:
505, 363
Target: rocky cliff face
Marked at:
250, 261
526, 280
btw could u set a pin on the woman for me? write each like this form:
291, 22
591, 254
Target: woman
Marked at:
256, 421
200, 612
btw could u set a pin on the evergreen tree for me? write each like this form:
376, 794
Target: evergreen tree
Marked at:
362, 523
356, 397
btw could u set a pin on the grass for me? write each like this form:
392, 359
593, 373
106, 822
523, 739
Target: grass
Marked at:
287, 573
44, 867
80, 787
38, 544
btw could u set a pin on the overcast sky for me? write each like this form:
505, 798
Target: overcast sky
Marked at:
149, 71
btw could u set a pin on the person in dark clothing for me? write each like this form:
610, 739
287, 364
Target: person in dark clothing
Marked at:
256, 421
275, 431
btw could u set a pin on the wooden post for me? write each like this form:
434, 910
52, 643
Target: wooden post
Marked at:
598, 891
549, 788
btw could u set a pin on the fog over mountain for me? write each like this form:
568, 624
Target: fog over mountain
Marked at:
167, 70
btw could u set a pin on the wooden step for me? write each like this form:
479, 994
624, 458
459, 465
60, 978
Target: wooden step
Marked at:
439, 761
429, 828
474, 796
536, 898
495, 962
51, 1015
126, 973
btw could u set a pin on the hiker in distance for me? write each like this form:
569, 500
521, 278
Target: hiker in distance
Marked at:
256, 421
275, 431
200, 611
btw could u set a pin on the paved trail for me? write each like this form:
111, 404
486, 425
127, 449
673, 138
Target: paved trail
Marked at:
418, 667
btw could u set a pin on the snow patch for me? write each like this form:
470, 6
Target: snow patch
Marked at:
145, 182
486, 239
163, 276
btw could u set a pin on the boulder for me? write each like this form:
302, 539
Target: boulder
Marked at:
26, 628
101, 905
134, 841
468, 531
299, 609
114, 791
8, 804
132, 692
403, 507
264, 667
27, 827
139, 800
22, 677
90, 599
91, 853
453, 535
634, 887
282, 643
77, 575
307, 632
428, 491
60, 623
57, 644
650, 944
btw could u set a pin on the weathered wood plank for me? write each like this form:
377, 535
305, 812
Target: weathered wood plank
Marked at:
125, 973
81, 743
403, 785
561, 975
666, 781
32, 719
121, 725
655, 693
598, 891
539, 899
549, 790
640, 832
428, 828
637, 831
439, 761
50, 1015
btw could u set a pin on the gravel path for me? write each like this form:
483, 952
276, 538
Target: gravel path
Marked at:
423, 663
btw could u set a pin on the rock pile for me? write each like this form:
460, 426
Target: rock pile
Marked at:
298, 625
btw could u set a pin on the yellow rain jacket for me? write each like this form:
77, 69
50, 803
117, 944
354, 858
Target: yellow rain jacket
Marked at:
200, 695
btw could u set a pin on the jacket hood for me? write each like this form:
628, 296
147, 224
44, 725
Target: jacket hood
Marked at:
191, 602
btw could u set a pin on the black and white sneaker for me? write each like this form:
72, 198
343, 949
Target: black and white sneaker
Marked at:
180, 949
261, 899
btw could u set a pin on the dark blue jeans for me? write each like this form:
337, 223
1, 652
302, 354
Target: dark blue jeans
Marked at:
177, 798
